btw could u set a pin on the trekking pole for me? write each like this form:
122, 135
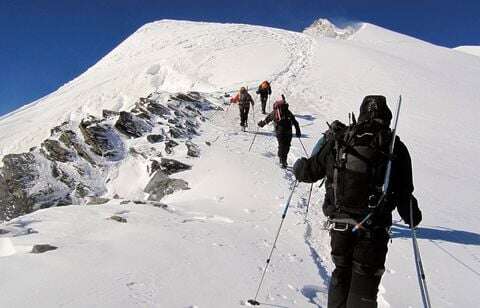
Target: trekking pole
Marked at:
418, 263
311, 186
304, 149
254, 301
253, 140
310, 195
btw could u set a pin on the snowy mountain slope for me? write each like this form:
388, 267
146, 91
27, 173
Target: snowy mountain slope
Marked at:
236, 197
473, 50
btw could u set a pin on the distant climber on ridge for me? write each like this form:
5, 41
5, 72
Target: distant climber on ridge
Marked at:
244, 100
283, 120
264, 90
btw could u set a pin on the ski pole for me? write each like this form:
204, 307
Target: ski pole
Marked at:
253, 140
311, 186
418, 263
310, 195
305, 150
254, 301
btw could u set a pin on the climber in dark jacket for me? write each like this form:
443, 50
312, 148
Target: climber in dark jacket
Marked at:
283, 120
264, 90
244, 100
359, 256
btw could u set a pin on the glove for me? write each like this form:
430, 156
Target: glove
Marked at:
298, 134
299, 169
261, 123
404, 211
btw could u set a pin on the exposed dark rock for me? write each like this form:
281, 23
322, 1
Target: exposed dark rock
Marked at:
48, 197
180, 126
177, 133
57, 129
97, 201
182, 97
171, 166
81, 191
169, 145
69, 139
8, 208
63, 177
192, 149
192, 131
158, 109
154, 166
110, 113
159, 204
192, 123
161, 185
116, 196
173, 121
154, 138
189, 113
103, 140
124, 202
118, 218
3, 231
54, 151
19, 171
131, 125
41, 248
144, 115
179, 114
139, 202
208, 143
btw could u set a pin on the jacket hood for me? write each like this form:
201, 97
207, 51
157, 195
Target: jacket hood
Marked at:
374, 107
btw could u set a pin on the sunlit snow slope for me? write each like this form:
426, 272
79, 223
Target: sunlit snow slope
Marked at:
473, 50
210, 249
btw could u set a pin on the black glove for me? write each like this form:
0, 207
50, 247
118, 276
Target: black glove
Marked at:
299, 169
404, 211
261, 123
298, 134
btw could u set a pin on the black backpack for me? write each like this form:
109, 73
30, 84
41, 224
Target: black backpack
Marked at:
360, 160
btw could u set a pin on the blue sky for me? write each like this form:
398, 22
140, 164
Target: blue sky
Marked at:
44, 44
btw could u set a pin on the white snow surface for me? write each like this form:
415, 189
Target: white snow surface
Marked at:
473, 50
209, 246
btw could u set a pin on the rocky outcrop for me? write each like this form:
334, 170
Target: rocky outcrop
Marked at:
75, 163
109, 113
177, 133
192, 149
132, 125
41, 248
169, 145
171, 166
158, 109
155, 138
103, 140
161, 185
55, 151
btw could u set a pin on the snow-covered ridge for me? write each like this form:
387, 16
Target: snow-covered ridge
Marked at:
472, 50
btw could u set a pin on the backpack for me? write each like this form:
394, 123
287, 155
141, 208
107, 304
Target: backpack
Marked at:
280, 109
360, 161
